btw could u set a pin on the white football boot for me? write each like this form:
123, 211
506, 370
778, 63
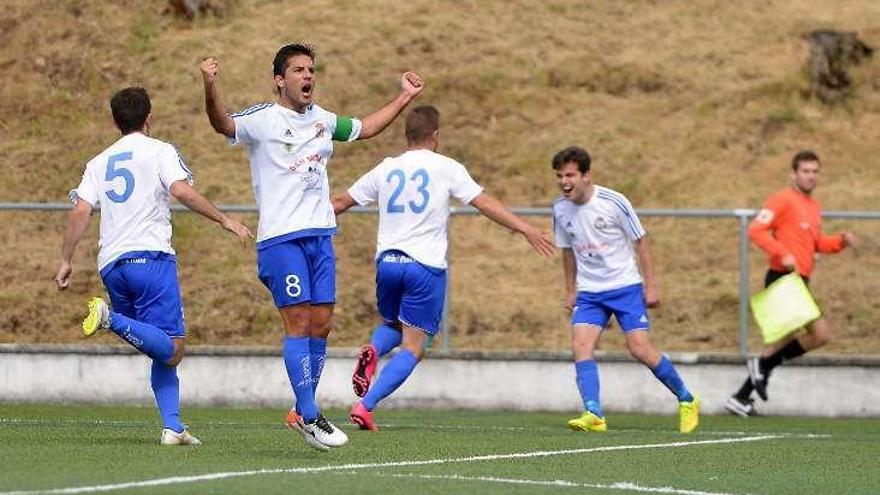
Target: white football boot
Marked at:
171, 437
328, 433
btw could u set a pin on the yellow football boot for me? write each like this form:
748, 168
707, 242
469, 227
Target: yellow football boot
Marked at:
587, 422
98, 317
689, 415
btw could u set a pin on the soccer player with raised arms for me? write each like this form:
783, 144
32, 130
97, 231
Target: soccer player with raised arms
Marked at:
600, 234
132, 180
413, 191
289, 144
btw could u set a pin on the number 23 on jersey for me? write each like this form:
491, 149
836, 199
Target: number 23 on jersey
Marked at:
398, 178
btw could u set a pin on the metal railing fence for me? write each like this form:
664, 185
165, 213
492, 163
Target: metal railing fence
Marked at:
741, 215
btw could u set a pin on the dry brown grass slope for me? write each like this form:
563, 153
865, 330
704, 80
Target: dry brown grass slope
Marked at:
682, 104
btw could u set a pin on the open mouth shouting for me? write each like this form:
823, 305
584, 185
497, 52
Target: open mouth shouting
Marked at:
567, 189
306, 91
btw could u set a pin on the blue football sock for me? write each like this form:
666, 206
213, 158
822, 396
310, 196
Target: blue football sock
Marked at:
297, 359
587, 377
385, 338
166, 388
149, 339
392, 376
665, 372
317, 354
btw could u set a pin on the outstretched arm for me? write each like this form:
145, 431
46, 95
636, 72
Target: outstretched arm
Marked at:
192, 199
220, 120
376, 122
342, 202
497, 212
77, 223
646, 266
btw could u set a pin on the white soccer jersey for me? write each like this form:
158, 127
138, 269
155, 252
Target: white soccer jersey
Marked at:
131, 180
289, 152
413, 191
600, 233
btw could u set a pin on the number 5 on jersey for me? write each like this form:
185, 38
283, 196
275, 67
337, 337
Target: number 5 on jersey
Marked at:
114, 171
421, 176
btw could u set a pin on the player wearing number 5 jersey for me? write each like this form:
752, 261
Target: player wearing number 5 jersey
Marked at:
413, 191
289, 144
133, 180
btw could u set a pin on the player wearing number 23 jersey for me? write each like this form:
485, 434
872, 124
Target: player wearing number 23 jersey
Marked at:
412, 192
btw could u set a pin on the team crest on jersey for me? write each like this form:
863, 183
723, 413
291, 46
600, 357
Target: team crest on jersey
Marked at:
319, 129
602, 224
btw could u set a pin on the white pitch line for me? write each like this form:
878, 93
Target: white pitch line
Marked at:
614, 430
620, 485
343, 467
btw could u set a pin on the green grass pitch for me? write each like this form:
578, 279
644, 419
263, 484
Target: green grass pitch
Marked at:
83, 449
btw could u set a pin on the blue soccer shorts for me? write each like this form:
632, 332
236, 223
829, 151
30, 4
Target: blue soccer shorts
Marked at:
410, 292
627, 304
299, 271
143, 286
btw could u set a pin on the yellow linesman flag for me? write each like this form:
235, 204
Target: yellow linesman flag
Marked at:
783, 307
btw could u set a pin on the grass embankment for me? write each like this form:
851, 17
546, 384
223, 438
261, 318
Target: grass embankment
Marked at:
682, 106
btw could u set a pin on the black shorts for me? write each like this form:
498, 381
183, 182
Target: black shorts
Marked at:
774, 275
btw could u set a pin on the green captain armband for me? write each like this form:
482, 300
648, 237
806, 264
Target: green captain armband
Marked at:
343, 129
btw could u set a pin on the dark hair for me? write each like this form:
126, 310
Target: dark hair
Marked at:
421, 123
130, 108
803, 156
287, 51
573, 154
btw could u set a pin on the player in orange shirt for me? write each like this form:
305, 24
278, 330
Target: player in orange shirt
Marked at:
789, 229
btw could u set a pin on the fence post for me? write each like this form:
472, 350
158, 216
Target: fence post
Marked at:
444, 323
743, 217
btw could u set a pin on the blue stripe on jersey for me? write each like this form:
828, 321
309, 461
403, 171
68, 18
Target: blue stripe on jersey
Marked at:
636, 228
318, 231
251, 109
189, 174
620, 201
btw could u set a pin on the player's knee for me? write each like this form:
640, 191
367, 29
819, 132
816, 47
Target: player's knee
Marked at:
319, 327
296, 320
177, 357
581, 350
819, 334
418, 353
639, 350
